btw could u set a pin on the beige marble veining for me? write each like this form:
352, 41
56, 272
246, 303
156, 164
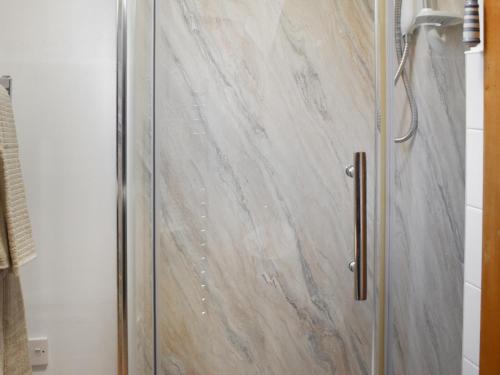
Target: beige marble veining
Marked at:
259, 107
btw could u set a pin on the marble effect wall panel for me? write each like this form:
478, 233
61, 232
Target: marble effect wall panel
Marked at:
259, 107
427, 242
140, 188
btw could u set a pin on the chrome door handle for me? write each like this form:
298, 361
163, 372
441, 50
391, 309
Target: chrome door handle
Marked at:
358, 172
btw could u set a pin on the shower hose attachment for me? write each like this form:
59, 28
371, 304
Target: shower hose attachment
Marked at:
402, 43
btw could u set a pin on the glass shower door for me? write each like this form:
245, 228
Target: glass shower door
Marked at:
259, 108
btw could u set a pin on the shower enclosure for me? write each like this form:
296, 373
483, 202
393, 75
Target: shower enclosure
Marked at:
264, 191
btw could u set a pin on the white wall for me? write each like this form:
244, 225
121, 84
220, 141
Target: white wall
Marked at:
61, 55
473, 210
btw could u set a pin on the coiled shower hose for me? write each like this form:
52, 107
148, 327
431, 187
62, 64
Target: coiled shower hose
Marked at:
402, 56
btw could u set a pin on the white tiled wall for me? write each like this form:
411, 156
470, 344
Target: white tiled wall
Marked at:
473, 210
61, 55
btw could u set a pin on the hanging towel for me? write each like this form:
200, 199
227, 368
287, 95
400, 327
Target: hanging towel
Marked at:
14, 354
16, 248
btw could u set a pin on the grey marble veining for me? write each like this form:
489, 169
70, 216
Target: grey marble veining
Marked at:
427, 241
259, 107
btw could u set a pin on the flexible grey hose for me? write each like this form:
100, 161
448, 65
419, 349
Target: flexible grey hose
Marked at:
398, 38
402, 64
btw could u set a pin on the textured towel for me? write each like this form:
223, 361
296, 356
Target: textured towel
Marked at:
16, 248
14, 355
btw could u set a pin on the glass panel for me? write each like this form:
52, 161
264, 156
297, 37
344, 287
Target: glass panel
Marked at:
426, 251
259, 107
140, 187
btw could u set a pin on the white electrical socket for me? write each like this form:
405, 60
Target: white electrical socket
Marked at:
39, 351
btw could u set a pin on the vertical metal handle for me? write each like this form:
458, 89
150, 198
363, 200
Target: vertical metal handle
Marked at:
358, 172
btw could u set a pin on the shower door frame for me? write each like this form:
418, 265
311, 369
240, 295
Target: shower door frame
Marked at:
121, 179
383, 27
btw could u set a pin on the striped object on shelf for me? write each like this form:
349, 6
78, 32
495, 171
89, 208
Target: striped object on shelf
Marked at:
472, 28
